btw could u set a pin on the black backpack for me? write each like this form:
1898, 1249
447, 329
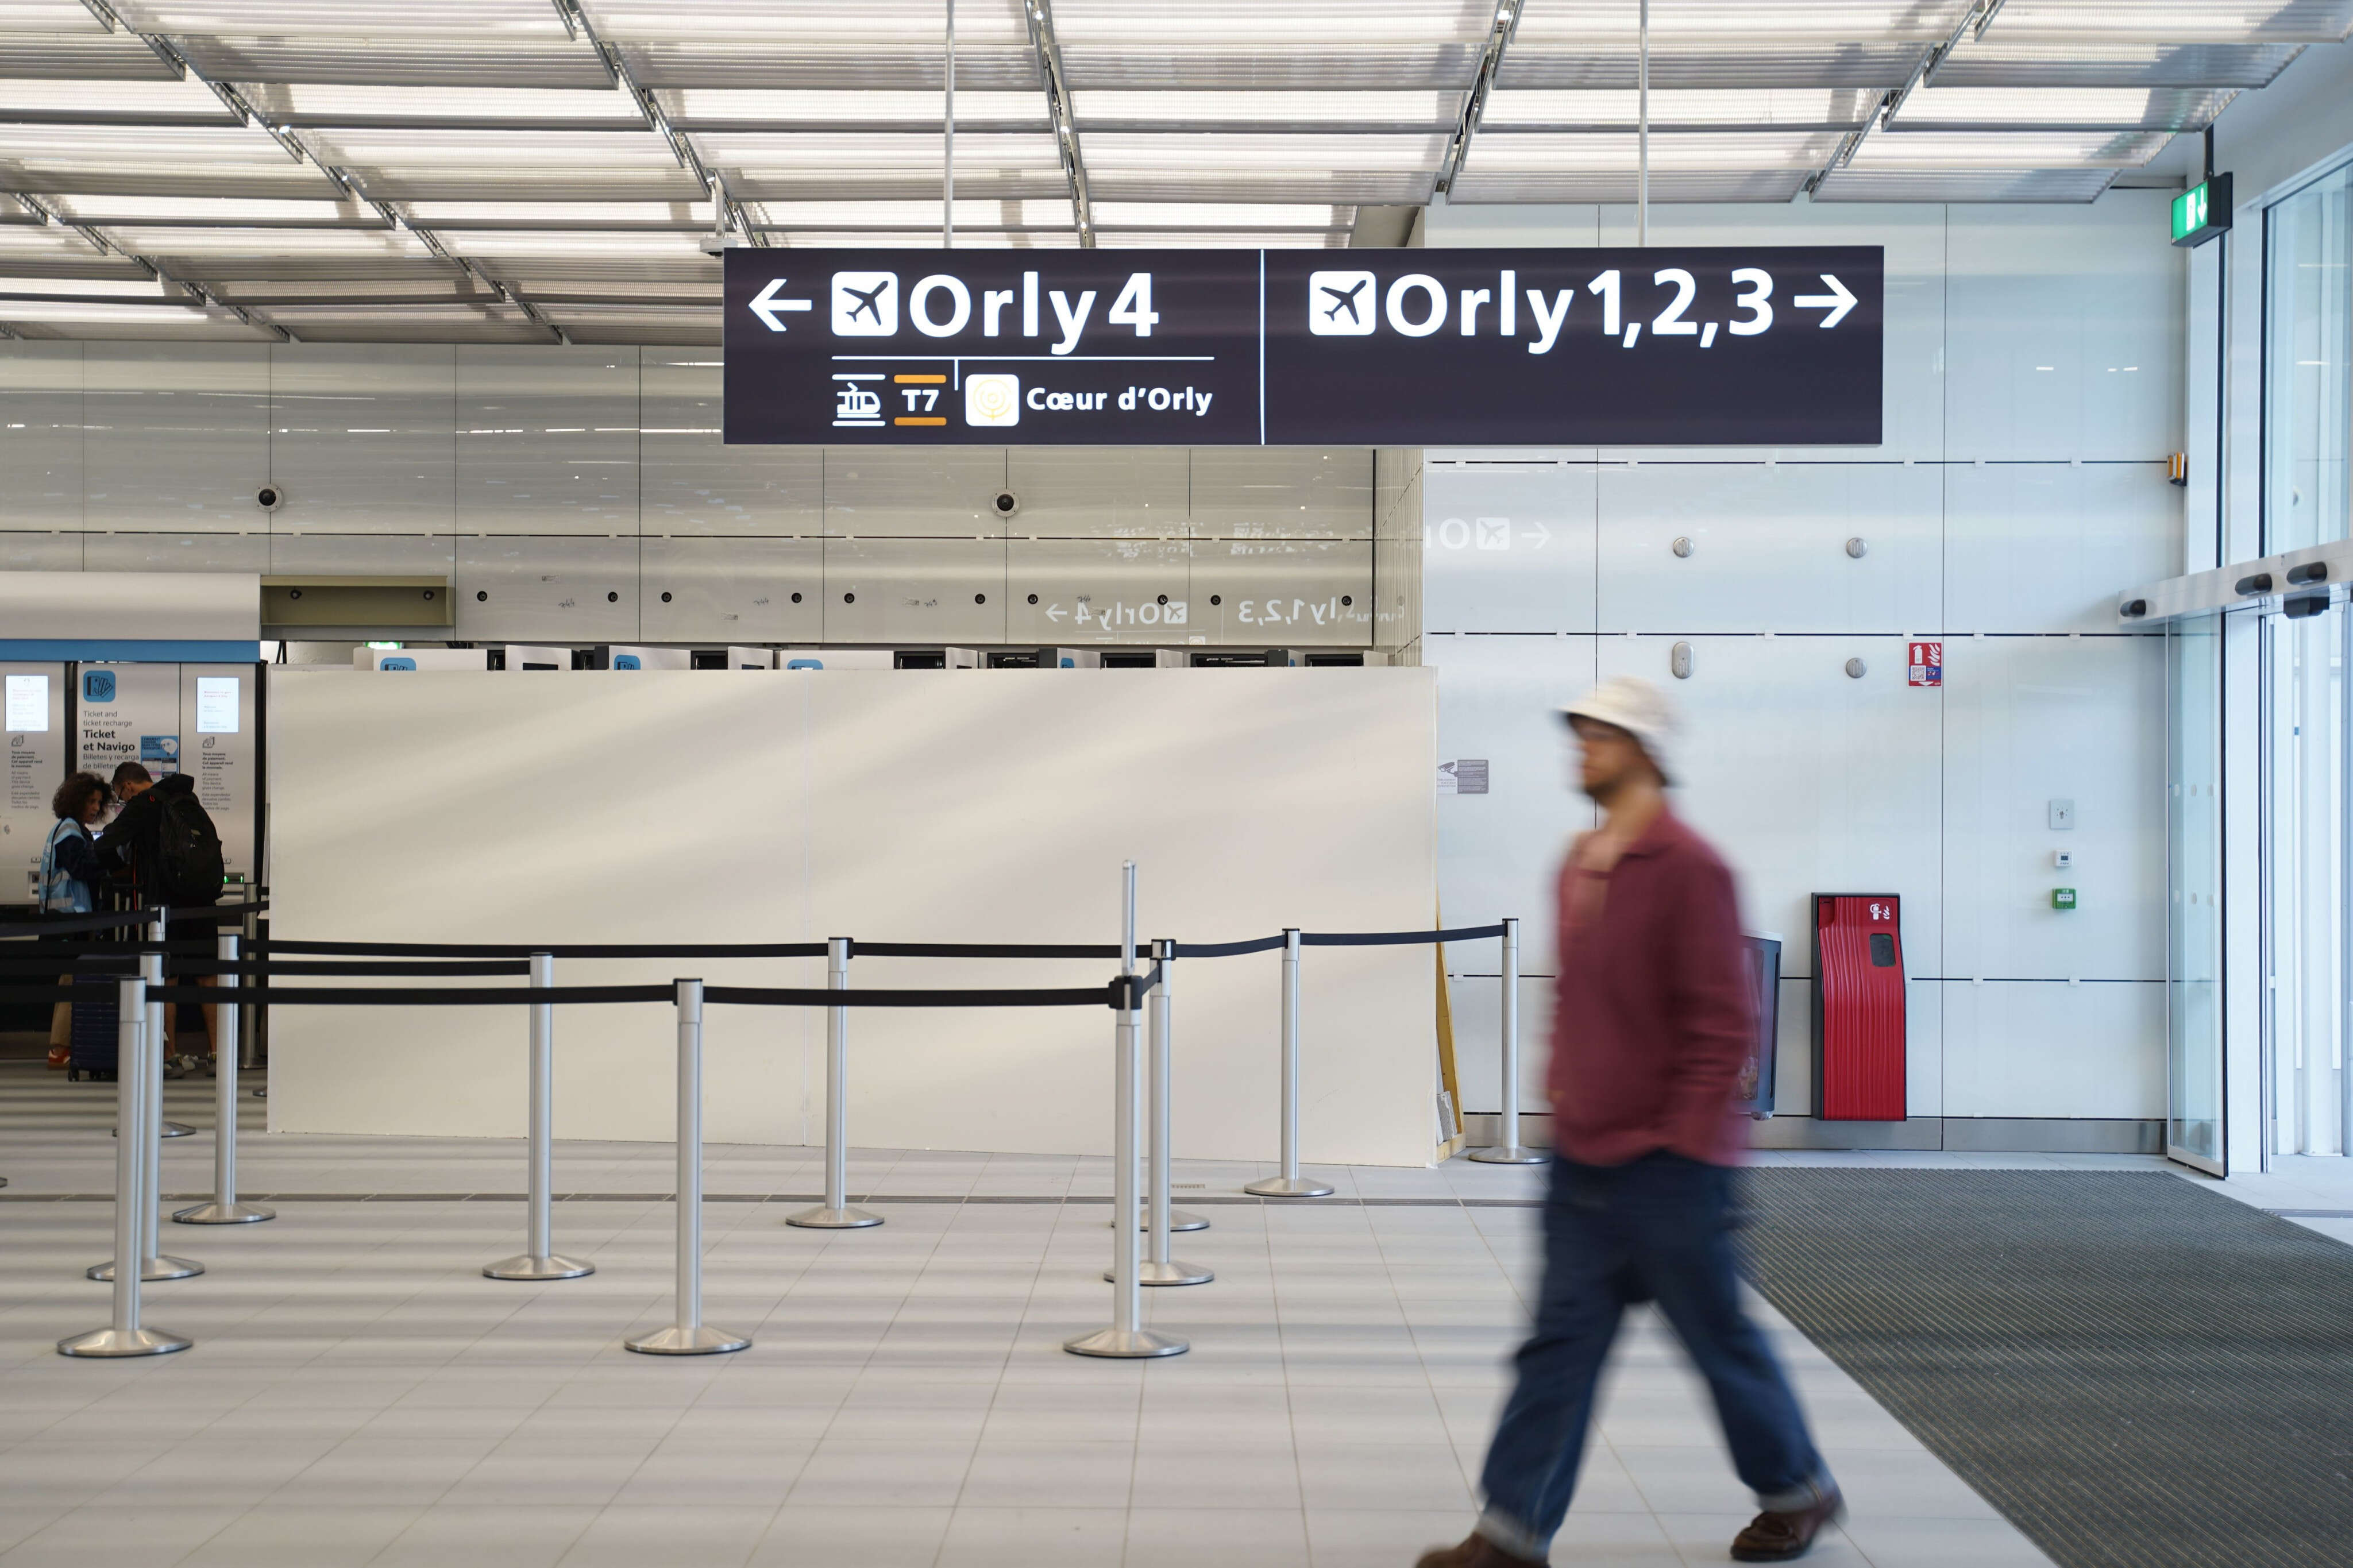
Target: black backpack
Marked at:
188, 853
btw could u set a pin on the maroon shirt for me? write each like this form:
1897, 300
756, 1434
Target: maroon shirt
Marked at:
1653, 1014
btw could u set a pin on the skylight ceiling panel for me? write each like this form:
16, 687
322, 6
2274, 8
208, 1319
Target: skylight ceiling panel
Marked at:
455, 60
980, 22
1225, 239
1822, 25
48, 16
880, 165
1964, 186
1728, 108
1934, 150
891, 109
695, 274
350, 19
1618, 187
578, 244
91, 288
693, 217
899, 239
1297, 24
80, 57
101, 160
1618, 151
971, 217
1373, 168
421, 286
308, 105
53, 100
1286, 110
513, 165
900, 64
2025, 108
479, 324
1761, 62
211, 212
349, 271
1233, 215
54, 251
2172, 21
1195, 61
105, 319
292, 244
1992, 63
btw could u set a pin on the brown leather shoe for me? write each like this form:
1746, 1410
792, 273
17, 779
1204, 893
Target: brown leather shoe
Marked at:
1475, 1552
1781, 1537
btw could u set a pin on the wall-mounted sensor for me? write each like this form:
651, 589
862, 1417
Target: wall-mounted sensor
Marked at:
1683, 548
269, 498
1007, 503
2063, 859
1679, 660
1857, 548
1856, 670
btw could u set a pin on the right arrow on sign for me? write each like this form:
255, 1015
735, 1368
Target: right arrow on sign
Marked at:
1838, 301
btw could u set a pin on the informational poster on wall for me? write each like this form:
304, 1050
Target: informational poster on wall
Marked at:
34, 698
127, 713
217, 722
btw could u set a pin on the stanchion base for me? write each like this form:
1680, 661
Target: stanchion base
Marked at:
112, 1342
1153, 1273
822, 1218
523, 1266
1510, 1156
161, 1267
1288, 1187
1125, 1344
700, 1340
223, 1213
1177, 1220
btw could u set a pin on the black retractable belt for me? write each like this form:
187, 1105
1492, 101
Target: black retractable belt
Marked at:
1395, 937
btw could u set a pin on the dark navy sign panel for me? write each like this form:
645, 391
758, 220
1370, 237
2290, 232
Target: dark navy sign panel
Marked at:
1722, 346
1730, 346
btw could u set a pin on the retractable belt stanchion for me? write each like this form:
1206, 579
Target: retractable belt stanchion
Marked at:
1159, 1220
539, 1258
835, 1213
1507, 1149
1127, 1338
124, 1336
227, 1038
1291, 1184
156, 1027
689, 1335
146, 1059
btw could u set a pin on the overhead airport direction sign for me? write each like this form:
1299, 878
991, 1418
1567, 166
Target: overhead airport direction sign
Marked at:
1715, 346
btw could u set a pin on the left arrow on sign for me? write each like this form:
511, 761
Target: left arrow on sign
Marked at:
765, 305
1838, 301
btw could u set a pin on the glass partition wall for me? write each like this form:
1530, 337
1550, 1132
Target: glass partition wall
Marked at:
2193, 971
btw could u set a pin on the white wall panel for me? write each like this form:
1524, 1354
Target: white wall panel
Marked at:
40, 435
1283, 492
1510, 547
1805, 779
2068, 331
363, 437
547, 590
2048, 547
2028, 721
694, 483
914, 590
1769, 547
1917, 303
1284, 593
1090, 492
732, 590
1499, 699
175, 436
944, 493
1098, 590
175, 552
547, 440
363, 554
2039, 1049
41, 551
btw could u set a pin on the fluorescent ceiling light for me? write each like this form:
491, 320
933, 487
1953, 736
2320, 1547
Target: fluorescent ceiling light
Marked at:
2173, 21
2045, 108
104, 209
1611, 151
124, 288
175, 101
1899, 149
1111, 107
1617, 108
1222, 215
800, 22
365, 18
720, 108
329, 104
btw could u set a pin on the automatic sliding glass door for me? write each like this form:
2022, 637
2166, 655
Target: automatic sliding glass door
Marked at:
2193, 1010
2307, 927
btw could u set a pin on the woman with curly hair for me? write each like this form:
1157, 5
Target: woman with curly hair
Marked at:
70, 876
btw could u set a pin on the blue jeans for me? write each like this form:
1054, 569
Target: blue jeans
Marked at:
1657, 1229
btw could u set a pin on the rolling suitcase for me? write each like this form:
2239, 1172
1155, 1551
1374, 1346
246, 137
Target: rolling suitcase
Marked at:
96, 1016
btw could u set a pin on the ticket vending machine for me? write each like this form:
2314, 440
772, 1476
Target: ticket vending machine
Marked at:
1859, 1024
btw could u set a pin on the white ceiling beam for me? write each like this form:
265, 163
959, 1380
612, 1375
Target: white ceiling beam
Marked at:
197, 292
1499, 34
1039, 16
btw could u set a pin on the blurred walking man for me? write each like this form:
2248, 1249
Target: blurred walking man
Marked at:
1651, 1025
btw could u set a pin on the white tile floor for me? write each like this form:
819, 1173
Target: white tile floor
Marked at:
360, 1395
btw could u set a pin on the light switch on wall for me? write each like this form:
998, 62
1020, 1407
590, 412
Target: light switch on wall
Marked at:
2063, 816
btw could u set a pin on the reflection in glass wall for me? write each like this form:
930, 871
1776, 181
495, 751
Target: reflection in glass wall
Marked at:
2194, 935
2305, 889
2308, 365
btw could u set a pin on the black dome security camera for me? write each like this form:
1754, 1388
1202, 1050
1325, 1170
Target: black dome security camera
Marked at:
268, 498
1007, 503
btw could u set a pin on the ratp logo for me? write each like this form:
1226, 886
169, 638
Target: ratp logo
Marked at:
98, 686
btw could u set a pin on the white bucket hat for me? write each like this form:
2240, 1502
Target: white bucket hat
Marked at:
1639, 709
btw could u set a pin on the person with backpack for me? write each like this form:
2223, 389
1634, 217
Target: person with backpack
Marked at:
71, 876
166, 840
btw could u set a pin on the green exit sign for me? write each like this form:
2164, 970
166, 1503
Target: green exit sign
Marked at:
2202, 212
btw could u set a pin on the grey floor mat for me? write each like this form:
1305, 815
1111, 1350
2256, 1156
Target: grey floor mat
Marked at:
2136, 1371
